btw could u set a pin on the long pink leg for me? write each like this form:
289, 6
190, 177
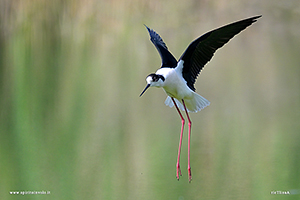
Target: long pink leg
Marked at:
180, 140
189, 141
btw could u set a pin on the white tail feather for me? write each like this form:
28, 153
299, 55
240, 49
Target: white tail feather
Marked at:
193, 105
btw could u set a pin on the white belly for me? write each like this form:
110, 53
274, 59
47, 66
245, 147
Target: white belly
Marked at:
174, 85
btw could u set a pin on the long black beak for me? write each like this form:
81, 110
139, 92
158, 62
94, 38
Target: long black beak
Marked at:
147, 86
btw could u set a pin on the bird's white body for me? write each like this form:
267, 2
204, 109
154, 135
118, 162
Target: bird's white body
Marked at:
175, 86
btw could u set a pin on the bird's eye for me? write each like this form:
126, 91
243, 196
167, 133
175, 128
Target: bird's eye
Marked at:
155, 78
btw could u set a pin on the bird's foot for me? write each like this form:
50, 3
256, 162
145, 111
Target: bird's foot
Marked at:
190, 174
178, 171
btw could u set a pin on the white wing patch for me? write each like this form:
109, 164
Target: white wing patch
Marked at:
179, 66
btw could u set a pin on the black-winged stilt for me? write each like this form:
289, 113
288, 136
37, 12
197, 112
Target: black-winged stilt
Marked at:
178, 78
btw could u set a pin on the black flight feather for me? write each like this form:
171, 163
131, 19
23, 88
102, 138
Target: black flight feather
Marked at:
167, 58
201, 50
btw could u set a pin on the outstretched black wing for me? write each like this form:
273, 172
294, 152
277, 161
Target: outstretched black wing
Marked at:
201, 50
167, 58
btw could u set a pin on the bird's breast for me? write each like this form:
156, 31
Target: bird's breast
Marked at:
175, 86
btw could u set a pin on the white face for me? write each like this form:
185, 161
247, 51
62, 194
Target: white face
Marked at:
149, 80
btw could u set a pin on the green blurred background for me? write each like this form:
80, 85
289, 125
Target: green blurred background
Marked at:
72, 122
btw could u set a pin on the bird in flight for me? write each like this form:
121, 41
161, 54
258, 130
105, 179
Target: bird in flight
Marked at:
177, 78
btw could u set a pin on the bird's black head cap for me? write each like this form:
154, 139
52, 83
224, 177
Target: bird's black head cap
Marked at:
153, 80
156, 77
